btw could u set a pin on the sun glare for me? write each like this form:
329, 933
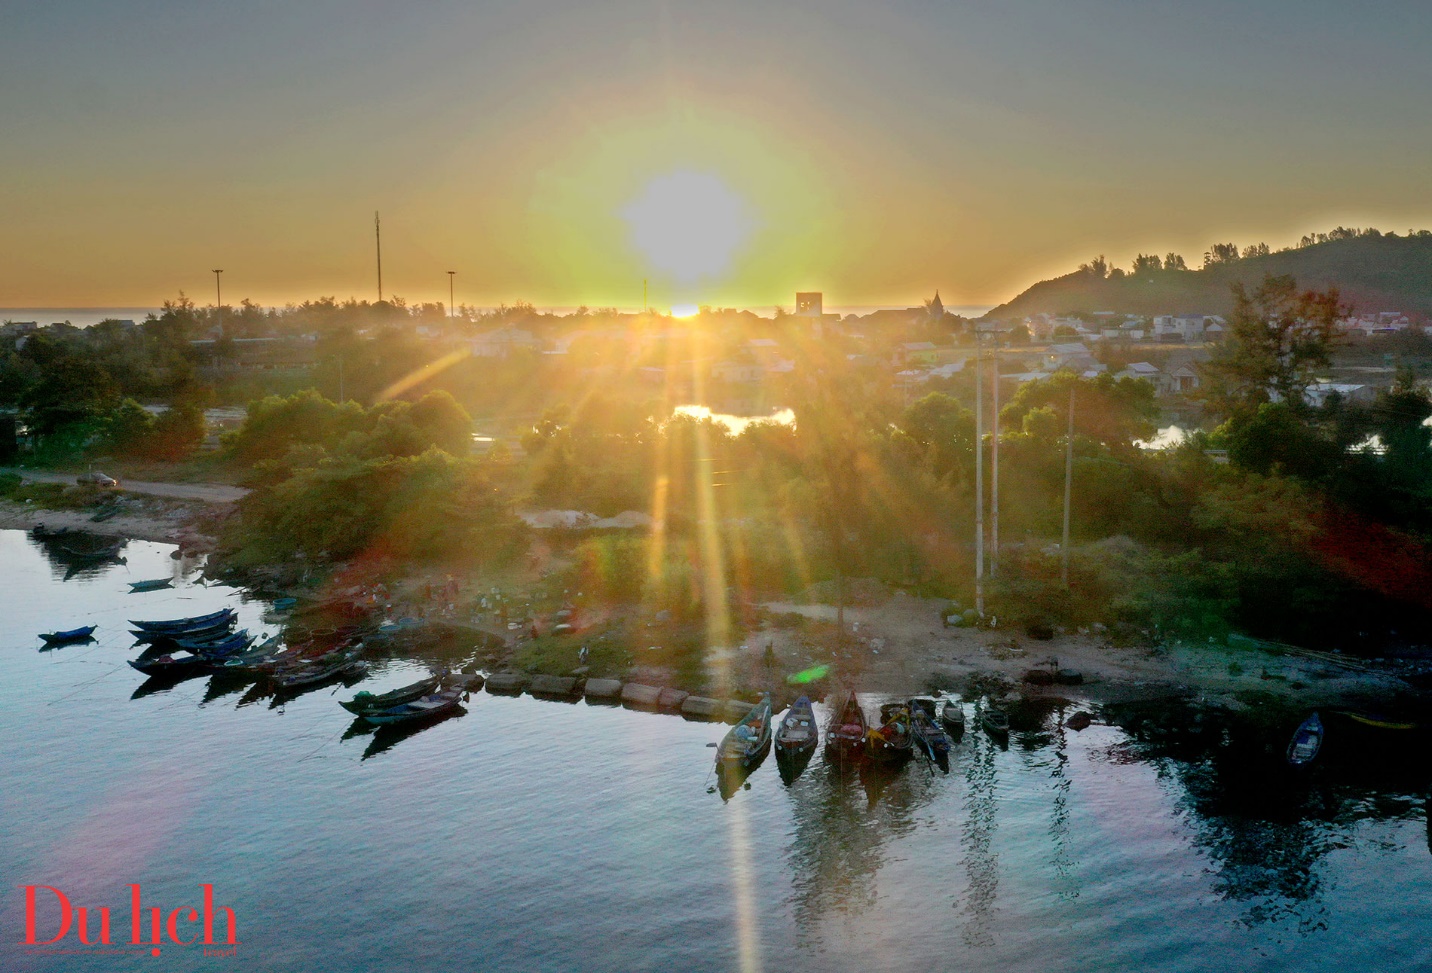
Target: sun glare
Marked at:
688, 225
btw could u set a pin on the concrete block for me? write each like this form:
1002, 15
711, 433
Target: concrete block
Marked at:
507, 683
635, 694
564, 686
734, 710
700, 707
606, 690
671, 699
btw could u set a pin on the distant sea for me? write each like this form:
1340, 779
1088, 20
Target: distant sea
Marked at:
83, 317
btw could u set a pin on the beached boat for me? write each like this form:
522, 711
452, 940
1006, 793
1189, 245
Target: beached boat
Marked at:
153, 584
422, 708
930, 738
1307, 741
185, 626
748, 740
891, 743
927, 704
952, 716
366, 702
64, 638
43, 532
845, 734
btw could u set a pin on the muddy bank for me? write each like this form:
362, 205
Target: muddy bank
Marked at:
150, 519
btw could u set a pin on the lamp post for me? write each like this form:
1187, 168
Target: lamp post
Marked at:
451, 307
219, 302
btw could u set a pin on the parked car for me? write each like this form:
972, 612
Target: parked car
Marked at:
96, 478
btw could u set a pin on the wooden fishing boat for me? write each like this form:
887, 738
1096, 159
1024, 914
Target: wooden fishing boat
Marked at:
185, 626
153, 584
927, 704
107, 513
748, 740
250, 659
212, 632
101, 551
422, 708
169, 663
995, 721
1379, 722
845, 734
1307, 741
226, 643
329, 666
952, 716
366, 702
797, 733
892, 743
930, 738
65, 638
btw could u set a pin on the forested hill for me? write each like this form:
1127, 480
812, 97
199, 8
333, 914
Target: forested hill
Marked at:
1373, 273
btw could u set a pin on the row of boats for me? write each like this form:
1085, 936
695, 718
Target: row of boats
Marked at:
906, 727
209, 644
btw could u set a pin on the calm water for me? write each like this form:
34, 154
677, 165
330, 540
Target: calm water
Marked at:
528, 835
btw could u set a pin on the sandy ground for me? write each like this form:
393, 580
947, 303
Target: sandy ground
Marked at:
900, 646
156, 520
206, 492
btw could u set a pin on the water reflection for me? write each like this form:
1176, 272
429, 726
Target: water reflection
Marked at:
1266, 828
78, 554
390, 735
980, 861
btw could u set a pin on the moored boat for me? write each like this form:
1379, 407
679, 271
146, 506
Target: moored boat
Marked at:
366, 702
930, 738
797, 733
952, 716
153, 584
891, 743
1307, 741
424, 707
225, 643
748, 740
169, 663
324, 668
845, 734
995, 721
64, 638
185, 626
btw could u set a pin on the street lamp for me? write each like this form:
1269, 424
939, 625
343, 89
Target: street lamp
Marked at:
451, 308
219, 302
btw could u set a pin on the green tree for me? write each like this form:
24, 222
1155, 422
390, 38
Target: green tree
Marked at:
1276, 339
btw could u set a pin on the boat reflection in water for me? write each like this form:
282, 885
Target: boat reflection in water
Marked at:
730, 775
389, 735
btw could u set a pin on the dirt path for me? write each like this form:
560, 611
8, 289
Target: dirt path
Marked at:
207, 492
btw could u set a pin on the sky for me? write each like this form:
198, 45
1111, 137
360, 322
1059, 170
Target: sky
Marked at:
728, 153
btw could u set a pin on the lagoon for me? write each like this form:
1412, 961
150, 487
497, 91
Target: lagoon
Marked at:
532, 835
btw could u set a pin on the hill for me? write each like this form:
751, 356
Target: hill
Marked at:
1373, 273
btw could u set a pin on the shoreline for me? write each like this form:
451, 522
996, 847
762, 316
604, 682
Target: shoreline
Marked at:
897, 646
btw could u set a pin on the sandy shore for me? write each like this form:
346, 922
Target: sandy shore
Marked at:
146, 520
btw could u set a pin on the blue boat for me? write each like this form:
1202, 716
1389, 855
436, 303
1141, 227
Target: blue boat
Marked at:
184, 626
73, 635
153, 584
218, 646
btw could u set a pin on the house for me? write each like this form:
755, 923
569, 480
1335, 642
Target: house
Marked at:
917, 352
1143, 370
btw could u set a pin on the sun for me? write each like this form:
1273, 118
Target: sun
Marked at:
688, 225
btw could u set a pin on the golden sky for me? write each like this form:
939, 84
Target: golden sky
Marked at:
733, 153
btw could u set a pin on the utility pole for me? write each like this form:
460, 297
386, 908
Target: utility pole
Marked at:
378, 238
994, 471
1068, 481
979, 476
452, 308
219, 302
